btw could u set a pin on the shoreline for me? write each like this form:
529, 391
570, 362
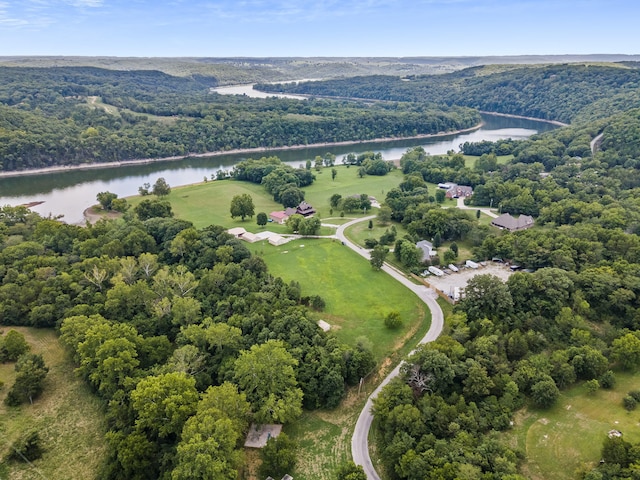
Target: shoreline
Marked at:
511, 115
237, 151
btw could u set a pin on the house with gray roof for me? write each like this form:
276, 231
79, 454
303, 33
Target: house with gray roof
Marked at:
507, 222
427, 249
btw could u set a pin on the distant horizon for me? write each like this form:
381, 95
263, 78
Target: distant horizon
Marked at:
404, 58
308, 29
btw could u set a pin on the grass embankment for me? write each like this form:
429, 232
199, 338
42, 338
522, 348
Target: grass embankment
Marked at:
558, 442
67, 416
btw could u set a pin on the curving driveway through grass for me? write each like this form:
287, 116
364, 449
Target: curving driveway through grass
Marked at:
360, 439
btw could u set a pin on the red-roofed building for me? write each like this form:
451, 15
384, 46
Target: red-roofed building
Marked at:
279, 217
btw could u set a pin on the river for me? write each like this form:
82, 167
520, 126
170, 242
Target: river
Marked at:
70, 193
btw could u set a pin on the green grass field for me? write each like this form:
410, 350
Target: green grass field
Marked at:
67, 416
208, 203
357, 297
470, 160
558, 442
348, 183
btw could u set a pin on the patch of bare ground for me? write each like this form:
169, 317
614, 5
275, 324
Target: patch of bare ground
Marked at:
251, 464
93, 214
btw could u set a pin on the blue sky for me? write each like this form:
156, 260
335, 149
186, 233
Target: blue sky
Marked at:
258, 28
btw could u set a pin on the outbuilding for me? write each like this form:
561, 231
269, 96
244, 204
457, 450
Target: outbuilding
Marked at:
277, 240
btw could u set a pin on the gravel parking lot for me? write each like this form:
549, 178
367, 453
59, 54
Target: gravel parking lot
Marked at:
448, 282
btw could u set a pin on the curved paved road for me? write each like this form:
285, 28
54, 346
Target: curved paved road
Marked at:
360, 440
486, 211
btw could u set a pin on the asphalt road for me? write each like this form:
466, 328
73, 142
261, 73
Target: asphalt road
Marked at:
360, 440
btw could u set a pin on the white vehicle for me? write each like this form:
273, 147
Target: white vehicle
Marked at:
453, 267
436, 271
471, 264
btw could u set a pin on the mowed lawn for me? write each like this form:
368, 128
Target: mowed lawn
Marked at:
357, 297
67, 416
559, 441
209, 203
346, 183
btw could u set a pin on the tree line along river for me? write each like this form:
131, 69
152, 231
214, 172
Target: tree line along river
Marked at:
69, 193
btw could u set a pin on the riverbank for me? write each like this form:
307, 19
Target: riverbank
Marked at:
238, 151
510, 115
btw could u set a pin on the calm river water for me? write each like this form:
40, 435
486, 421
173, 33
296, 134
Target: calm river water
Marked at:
70, 193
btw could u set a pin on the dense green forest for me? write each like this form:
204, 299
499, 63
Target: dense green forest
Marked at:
565, 93
168, 322
576, 318
76, 115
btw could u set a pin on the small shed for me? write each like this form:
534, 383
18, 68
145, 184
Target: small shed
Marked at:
277, 240
237, 231
249, 237
259, 434
324, 325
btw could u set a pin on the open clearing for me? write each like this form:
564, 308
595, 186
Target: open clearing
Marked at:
357, 297
67, 416
560, 440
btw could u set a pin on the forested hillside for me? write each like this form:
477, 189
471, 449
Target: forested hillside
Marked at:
558, 92
574, 319
71, 116
156, 313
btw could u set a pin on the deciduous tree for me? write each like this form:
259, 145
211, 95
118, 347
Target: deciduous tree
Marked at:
163, 403
12, 346
626, 351
30, 374
105, 199
278, 457
266, 375
161, 188
242, 206
378, 256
